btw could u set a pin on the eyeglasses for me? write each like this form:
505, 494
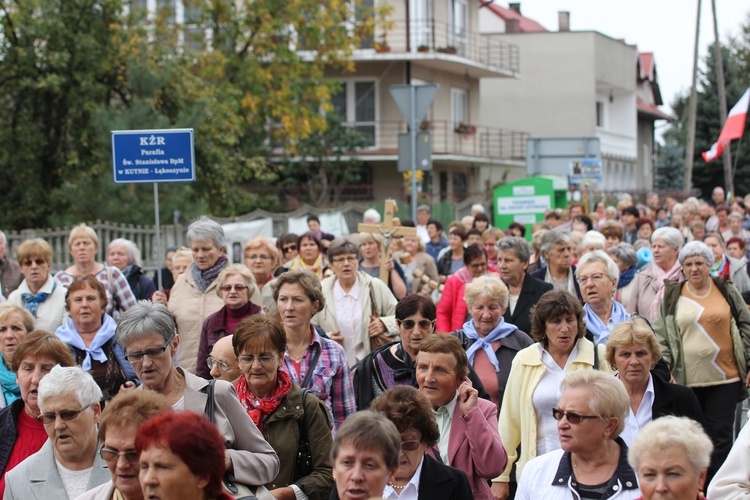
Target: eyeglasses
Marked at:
289, 248
109, 455
229, 288
478, 265
260, 256
263, 360
51, 418
153, 353
410, 445
595, 278
38, 261
341, 260
424, 324
573, 418
221, 365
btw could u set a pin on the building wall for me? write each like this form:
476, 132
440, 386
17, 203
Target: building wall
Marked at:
645, 163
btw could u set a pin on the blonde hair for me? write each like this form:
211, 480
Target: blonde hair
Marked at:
260, 242
236, 269
490, 287
634, 332
609, 398
83, 231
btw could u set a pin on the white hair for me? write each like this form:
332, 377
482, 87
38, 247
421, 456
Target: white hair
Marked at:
69, 380
371, 216
130, 249
668, 432
478, 207
593, 238
599, 256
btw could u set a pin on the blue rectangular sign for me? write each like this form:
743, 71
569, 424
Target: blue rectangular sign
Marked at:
153, 155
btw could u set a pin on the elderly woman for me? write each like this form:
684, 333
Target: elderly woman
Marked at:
281, 411
223, 362
83, 244
68, 461
490, 237
733, 270
262, 258
592, 240
122, 254
235, 287
15, 323
671, 456
370, 246
557, 250
194, 296
90, 335
613, 233
311, 255
365, 456
415, 421
597, 276
524, 290
626, 259
180, 456
20, 425
633, 351
314, 362
533, 387
39, 293
468, 425
359, 310
117, 431
490, 342
649, 284
181, 260
592, 459
147, 333
416, 264
703, 327
452, 312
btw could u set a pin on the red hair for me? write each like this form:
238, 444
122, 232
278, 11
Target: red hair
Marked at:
192, 438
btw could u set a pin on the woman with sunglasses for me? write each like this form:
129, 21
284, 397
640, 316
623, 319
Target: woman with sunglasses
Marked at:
533, 387
490, 342
117, 431
288, 249
148, 335
593, 459
236, 287
281, 411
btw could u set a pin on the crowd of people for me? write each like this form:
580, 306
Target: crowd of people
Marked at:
591, 355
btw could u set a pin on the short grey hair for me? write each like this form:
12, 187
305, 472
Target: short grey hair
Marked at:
129, 249
610, 399
696, 248
519, 246
670, 431
342, 246
143, 319
554, 237
371, 214
424, 208
69, 380
593, 238
599, 256
478, 207
490, 287
625, 252
670, 235
205, 229
735, 215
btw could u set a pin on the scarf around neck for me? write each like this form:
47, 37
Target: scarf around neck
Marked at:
69, 335
661, 275
259, 409
595, 325
626, 277
316, 267
501, 330
32, 300
203, 279
11, 391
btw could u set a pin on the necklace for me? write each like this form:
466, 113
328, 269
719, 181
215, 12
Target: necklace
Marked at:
589, 474
396, 487
177, 389
696, 294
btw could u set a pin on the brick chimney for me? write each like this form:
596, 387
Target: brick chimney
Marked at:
563, 19
512, 26
515, 6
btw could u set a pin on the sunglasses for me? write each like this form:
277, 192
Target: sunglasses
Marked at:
37, 261
51, 418
289, 248
424, 324
410, 445
573, 418
229, 288
109, 455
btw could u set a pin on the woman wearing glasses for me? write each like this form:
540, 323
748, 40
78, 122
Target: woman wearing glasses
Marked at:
236, 285
68, 464
533, 387
286, 244
593, 459
281, 412
262, 258
117, 431
490, 342
148, 334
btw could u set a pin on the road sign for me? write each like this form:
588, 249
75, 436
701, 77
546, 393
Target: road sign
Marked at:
424, 152
423, 97
552, 155
587, 170
153, 155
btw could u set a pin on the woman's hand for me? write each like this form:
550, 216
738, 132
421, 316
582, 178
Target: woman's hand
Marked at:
286, 493
159, 297
500, 491
336, 336
747, 379
467, 396
128, 386
227, 461
376, 327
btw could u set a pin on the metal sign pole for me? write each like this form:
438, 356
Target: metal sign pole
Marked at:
158, 235
413, 138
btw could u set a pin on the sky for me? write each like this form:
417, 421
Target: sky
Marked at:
664, 27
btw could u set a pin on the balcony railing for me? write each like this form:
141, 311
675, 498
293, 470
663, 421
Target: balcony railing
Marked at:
431, 36
448, 139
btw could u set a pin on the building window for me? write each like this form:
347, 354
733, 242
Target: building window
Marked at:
459, 21
599, 114
459, 107
356, 104
459, 186
420, 24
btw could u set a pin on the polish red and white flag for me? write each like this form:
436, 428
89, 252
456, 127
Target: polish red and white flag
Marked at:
734, 127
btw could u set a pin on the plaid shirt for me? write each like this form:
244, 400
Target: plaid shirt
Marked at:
123, 298
331, 381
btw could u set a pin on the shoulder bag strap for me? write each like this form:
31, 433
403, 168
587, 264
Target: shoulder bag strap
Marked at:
311, 368
373, 305
209, 410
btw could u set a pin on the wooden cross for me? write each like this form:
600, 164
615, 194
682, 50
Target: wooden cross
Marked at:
390, 228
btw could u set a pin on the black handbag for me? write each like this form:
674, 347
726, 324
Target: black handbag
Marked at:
304, 466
